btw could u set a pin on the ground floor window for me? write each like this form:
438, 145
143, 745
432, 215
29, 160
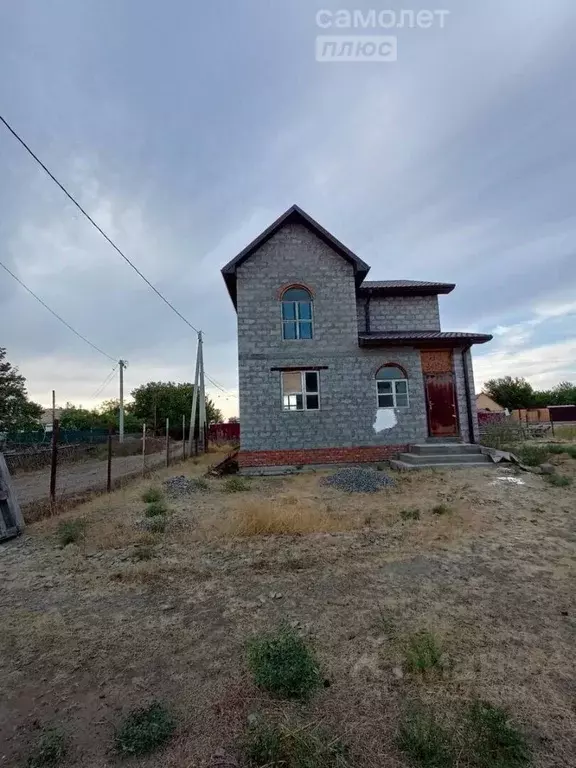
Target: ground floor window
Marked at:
392, 387
300, 391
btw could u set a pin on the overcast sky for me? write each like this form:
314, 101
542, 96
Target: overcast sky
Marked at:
185, 128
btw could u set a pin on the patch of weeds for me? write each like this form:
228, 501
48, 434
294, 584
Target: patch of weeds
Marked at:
144, 730
157, 524
272, 746
236, 485
410, 514
199, 483
283, 664
441, 509
71, 531
380, 467
155, 508
152, 494
51, 749
532, 455
142, 552
426, 742
559, 481
423, 652
492, 740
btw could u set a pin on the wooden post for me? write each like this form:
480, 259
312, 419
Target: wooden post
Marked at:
143, 449
54, 460
11, 520
183, 436
167, 442
109, 466
53, 407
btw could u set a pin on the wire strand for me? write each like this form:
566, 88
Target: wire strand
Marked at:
94, 224
56, 315
105, 383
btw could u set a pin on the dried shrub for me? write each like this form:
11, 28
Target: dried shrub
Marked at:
272, 746
423, 652
282, 516
152, 494
236, 485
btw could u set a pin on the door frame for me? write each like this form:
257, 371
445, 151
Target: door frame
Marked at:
429, 376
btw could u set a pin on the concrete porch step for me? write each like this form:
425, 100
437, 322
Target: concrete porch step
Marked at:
404, 466
422, 460
431, 449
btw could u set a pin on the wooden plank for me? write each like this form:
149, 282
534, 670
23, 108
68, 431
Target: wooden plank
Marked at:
11, 520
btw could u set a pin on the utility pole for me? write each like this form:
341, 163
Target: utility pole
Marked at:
202, 416
194, 398
122, 364
53, 407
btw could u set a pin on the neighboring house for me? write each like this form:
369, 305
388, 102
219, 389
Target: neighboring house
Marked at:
46, 418
485, 403
336, 368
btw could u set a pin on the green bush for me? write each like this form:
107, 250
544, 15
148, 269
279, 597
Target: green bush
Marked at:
532, 454
492, 741
410, 514
441, 509
562, 448
51, 749
423, 652
71, 531
560, 481
199, 484
236, 485
426, 742
155, 508
283, 664
273, 746
144, 730
152, 494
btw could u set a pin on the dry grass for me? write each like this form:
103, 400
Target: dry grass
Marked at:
89, 632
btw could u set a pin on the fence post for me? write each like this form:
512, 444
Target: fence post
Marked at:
184, 436
167, 442
109, 466
143, 449
54, 461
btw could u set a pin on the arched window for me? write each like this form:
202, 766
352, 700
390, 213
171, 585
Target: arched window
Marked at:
296, 314
392, 387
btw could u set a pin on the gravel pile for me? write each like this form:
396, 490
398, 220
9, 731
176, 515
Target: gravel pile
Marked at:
358, 480
180, 485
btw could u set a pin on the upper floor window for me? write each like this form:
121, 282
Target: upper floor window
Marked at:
392, 387
296, 314
300, 391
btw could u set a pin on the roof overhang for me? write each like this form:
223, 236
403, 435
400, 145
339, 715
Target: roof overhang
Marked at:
404, 288
297, 216
430, 339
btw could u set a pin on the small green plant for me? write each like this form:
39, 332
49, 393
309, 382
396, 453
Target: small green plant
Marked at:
276, 746
155, 508
51, 749
423, 652
283, 664
236, 485
71, 531
157, 524
492, 740
441, 509
199, 484
426, 742
152, 494
144, 730
532, 454
410, 514
559, 481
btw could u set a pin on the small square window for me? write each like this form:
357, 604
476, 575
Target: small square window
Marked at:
385, 401
311, 380
312, 403
300, 391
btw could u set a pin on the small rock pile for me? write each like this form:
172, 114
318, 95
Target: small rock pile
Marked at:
358, 480
180, 485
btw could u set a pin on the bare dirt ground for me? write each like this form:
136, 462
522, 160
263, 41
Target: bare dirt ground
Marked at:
74, 478
87, 633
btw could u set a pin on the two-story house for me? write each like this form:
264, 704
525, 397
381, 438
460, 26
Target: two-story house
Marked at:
336, 368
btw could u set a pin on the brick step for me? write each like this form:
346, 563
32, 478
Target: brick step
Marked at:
431, 449
444, 458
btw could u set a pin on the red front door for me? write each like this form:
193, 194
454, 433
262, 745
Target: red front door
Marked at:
441, 404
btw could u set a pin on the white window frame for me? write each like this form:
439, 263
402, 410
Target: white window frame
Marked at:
304, 392
297, 319
393, 393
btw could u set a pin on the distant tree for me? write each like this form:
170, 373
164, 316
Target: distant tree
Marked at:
76, 417
562, 394
511, 392
233, 420
16, 410
156, 401
109, 410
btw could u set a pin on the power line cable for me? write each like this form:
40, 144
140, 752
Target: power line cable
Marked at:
56, 315
94, 224
105, 383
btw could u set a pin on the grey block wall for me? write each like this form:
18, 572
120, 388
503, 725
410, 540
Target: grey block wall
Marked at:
348, 404
459, 361
400, 313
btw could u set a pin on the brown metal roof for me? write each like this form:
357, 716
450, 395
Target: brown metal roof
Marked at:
403, 288
421, 338
294, 214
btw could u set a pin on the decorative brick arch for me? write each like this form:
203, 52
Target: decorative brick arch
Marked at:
392, 365
281, 291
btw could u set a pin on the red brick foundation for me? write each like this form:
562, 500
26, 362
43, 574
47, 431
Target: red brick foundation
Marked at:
300, 457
